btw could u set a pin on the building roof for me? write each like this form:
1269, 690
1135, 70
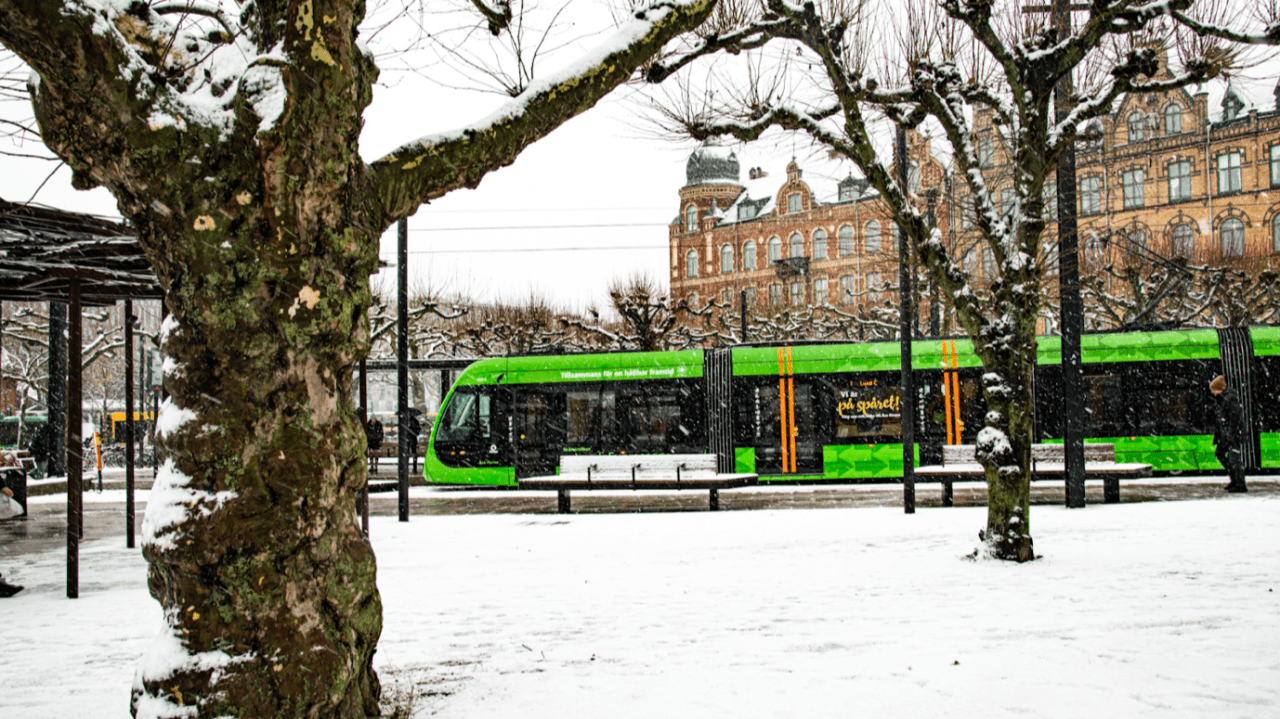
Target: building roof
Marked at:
42, 249
711, 164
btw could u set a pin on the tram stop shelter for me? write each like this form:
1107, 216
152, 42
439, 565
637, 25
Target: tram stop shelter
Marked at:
48, 255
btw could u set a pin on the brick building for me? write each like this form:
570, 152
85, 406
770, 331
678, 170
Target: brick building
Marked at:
772, 237
1162, 170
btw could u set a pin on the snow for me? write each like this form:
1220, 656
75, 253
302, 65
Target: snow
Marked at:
171, 501
1135, 610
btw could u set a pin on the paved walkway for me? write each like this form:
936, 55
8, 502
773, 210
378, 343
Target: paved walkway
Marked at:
45, 527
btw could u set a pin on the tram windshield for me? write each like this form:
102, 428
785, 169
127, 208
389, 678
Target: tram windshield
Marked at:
466, 418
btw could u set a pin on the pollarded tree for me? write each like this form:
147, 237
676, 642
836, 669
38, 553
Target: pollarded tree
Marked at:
228, 135
818, 68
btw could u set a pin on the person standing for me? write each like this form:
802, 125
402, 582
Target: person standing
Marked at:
1228, 432
7, 589
373, 432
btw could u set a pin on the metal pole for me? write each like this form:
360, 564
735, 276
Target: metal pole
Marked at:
1069, 289
129, 508
402, 364
57, 424
744, 313
905, 292
364, 424
75, 460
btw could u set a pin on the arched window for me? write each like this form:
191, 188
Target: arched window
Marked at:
872, 241
1137, 126
1232, 235
819, 244
846, 241
749, 255
691, 218
797, 246
726, 259
1173, 119
1184, 240
691, 264
775, 250
1275, 233
894, 235
1137, 237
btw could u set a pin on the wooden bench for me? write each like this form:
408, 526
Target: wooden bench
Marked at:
959, 464
638, 471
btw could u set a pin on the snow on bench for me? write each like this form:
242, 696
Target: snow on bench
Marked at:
959, 464
638, 471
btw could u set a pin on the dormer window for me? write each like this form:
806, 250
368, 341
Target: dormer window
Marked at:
744, 212
1137, 126
691, 219
793, 202
1173, 120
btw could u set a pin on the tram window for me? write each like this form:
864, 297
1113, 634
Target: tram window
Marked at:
466, 418
654, 421
539, 417
1266, 393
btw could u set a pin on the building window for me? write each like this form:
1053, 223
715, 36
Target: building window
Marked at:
819, 244
691, 264
894, 235
1173, 120
1137, 125
1184, 240
726, 259
846, 241
986, 152
745, 212
1228, 173
691, 218
775, 250
988, 263
1007, 198
873, 282
797, 294
749, 255
1179, 181
1133, 190
970, 261
847, 288
1275, 233
797, 246
871, 241
1091, 195
1232, 233
966, 217
751, 297
775, 295
693, 300
726, 297
820, 292
1275, 165
793, 202
1138, 237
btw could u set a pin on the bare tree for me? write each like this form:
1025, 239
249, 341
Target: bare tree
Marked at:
946, 65
228, 134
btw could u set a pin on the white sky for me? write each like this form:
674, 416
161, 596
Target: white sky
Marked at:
598, 169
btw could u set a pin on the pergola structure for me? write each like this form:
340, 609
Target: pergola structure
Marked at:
48, 255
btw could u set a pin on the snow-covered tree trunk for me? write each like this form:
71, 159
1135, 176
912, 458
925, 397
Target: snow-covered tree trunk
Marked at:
230, 143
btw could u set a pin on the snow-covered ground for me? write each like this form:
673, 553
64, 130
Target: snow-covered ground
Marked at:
1135, 610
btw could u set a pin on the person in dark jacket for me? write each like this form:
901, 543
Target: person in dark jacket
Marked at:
7, 589
38, 446
1229, 432
415, 428
373, 432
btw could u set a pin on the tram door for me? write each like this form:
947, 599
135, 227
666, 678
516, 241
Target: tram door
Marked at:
539, 431
786, 423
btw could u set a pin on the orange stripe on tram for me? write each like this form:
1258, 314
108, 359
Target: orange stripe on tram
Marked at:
946, 391
791, 403
784, 430
955, 393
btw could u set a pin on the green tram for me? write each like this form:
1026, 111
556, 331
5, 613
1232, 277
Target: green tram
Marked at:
832, 412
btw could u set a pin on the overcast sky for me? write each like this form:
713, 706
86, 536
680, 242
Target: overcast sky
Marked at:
585, 205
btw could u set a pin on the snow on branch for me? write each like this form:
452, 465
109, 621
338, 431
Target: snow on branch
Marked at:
434, 165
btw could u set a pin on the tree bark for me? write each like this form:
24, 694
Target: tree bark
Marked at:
262, 223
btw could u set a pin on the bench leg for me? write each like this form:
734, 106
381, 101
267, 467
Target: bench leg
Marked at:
562, 501
715, 500
948, 494
1111, 490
